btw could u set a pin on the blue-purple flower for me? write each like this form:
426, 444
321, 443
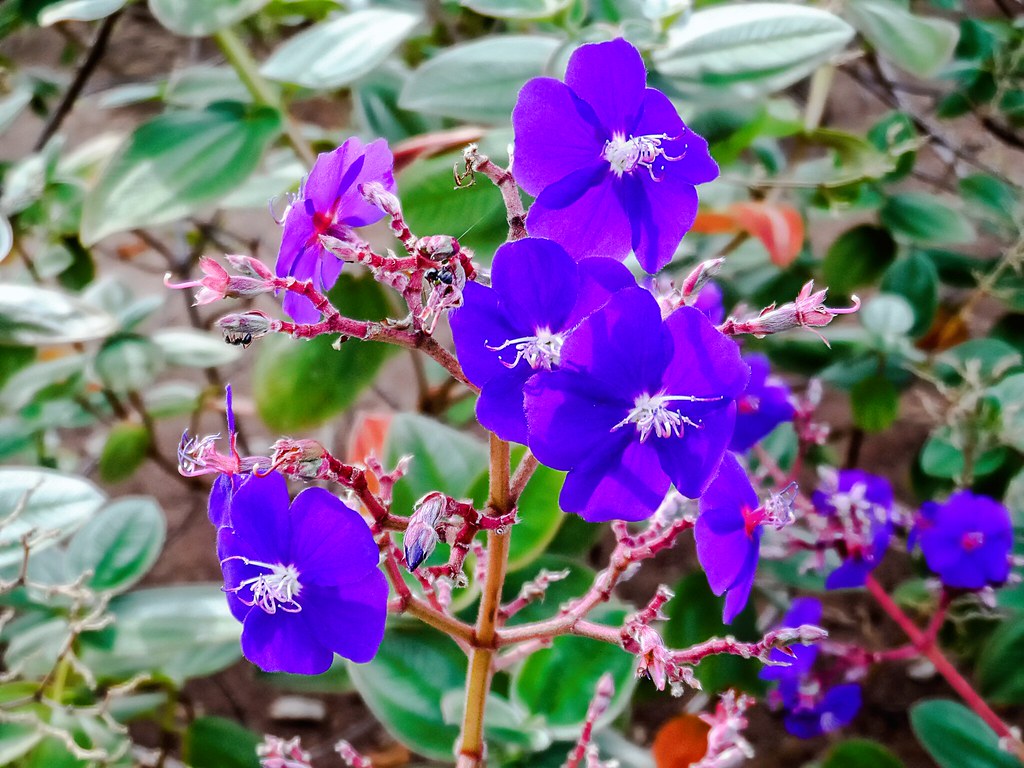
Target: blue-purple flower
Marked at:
762, 407
813, 709
610, 162
855, 518
798, 662
967, 540
709, 301
517, 327
728, 537
302, 577
329, 203
638, 404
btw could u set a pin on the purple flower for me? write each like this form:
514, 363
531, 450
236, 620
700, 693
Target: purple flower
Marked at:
612, 166
517, 327
709, 301
329, 203
301, 577
804, 610
967, 540
637, 405
856, 519
813, 710
762, 406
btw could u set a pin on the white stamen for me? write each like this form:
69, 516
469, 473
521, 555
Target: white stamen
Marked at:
270, 591
541, 351
626, 155
651, 414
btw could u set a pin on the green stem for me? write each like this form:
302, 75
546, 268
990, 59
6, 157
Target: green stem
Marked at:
245, 65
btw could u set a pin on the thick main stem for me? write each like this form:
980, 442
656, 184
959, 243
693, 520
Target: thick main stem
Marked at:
927, 647
478, 678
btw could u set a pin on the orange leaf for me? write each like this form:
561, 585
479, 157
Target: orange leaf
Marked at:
714, 223
681, 741
779, 227
430, 144
367, 439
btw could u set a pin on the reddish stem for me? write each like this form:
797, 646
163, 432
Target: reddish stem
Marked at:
926, 646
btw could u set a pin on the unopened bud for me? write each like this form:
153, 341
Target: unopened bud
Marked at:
250, 267
242, 328
278, 753
304, 457
421, 536
700, 276
378, 196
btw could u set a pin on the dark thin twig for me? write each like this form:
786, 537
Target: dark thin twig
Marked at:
85, 70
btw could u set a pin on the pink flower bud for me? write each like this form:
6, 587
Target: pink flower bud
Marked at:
250, 267
243, 328
278, 753
699, 277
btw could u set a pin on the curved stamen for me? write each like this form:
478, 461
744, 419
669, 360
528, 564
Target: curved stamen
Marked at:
541, 351
625, 155
269, 591
651, 414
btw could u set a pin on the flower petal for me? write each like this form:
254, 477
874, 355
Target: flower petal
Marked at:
284, 642
536, 282
705, 362
478, 324
612, 79
659, 116
692, 459
331, 543
378, 165
553, 137
260, 517
349, 619
583, 214
616, 484
500, 407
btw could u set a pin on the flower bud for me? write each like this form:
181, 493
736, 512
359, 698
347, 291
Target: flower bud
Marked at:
250, 267
304, 457
242, 328
376, 195
700, 276
421, 536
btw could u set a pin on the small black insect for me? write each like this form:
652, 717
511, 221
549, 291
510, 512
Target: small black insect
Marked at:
238, 339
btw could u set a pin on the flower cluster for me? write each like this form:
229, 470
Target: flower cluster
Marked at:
812, 704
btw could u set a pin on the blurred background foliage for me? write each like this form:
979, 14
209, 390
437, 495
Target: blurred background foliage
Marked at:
873, 145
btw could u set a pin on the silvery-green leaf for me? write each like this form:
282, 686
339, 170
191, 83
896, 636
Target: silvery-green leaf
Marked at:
340, 50
198, 18
517, 9
12, 104
194, 349
78, 10
919, 44
33, 316
6, 237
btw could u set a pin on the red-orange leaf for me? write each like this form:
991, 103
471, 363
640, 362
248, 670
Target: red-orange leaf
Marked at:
367, 439
779, 227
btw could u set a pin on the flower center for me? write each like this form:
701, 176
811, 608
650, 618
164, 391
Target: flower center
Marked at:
541, 351
748, 404
626, 155
271, 591
651, 414
972, 540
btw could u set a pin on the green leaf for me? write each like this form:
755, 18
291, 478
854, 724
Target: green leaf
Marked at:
124, 452
942, 457
517, 9
888, 316
1010, 394
557, 683
955, 737
999, 673
923, 218
858, 257
78, 10
896, 135
198, 18
172, 398
505, 723
915, 278
750, 49
540, 517
479, 81
119, 545
443, 459
695, 615
375, 101
180, 632
990, 359
31, 316
918, 44
876, 403
336, 52
194, 349
55, 502
991, 197
433, 205
860, 753
301, 384
128, 363
404, 684
177, 164
213, 742
6, 237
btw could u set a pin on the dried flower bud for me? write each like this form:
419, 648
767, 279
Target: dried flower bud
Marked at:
808, 310
278, 753
304, 458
